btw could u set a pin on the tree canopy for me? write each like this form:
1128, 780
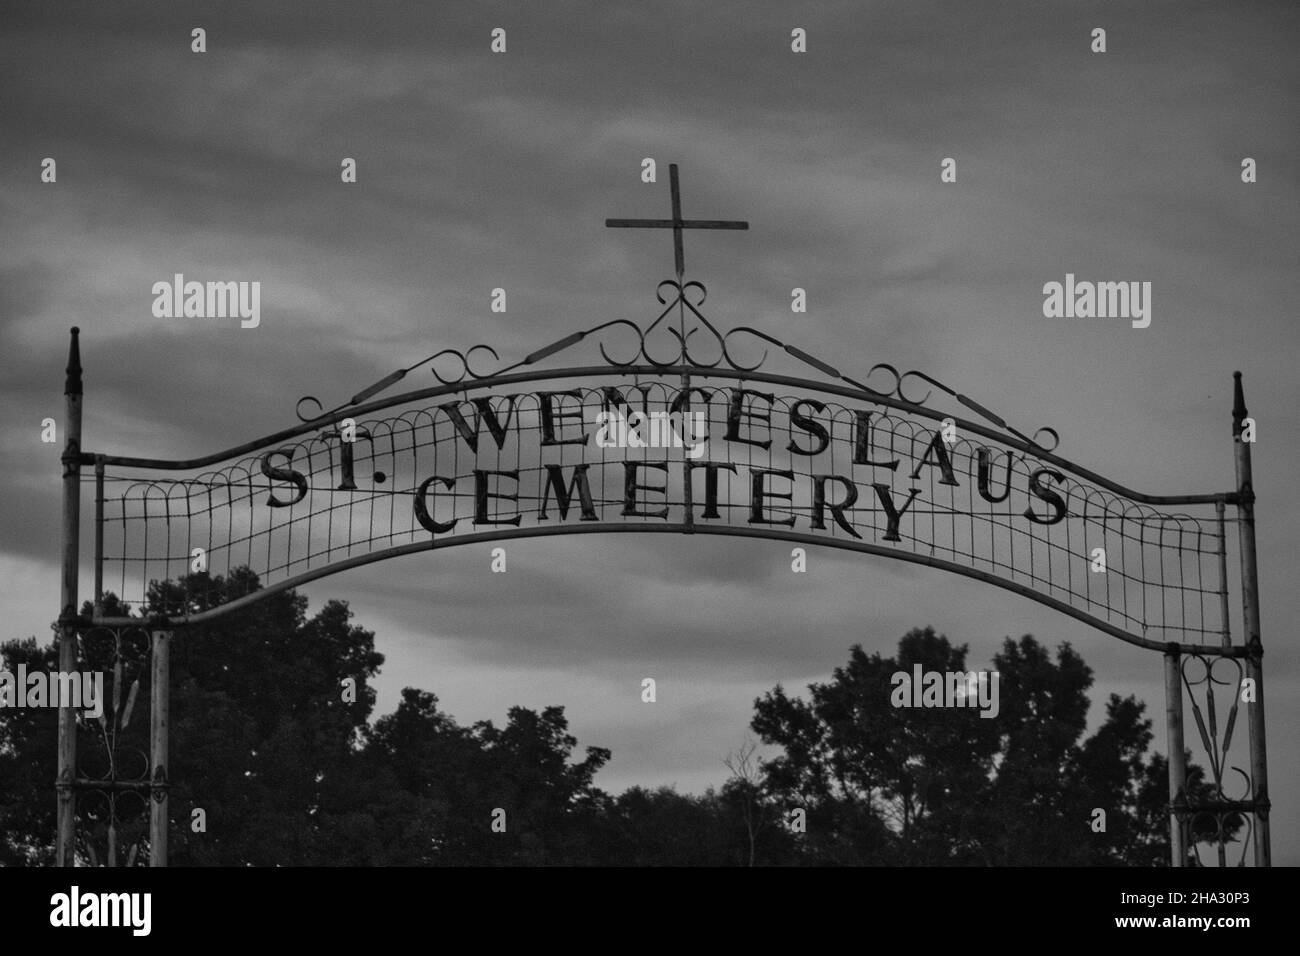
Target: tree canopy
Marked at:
274, 740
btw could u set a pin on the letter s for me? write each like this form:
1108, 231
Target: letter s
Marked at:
1039, 490
297, 478
810, 425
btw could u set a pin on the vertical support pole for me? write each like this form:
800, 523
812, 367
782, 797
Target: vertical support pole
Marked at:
679, 256
1224, 615
1177, 756
1250, 607
99, 536
65, 842
159, 719
688, 497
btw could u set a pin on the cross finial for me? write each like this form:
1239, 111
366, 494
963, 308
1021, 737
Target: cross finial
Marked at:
677, 223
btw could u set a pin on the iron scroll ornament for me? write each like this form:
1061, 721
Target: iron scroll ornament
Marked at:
1218, 819
681, 299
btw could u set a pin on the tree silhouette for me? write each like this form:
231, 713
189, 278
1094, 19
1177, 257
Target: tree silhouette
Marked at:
272, 740
945, 786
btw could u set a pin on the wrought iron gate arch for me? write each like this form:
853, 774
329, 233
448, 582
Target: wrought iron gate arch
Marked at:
265, 466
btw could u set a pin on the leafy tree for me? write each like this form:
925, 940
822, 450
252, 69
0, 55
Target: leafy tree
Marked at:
661, 827
456, 777
264, 740
887, 781
261, 738
288, 769
944, 786
28, 756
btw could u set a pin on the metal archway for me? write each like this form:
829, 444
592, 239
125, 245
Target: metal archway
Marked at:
509, 453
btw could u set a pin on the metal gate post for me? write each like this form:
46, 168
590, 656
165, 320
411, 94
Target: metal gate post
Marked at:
65, 843
1177, 756
159, 722
1250, 607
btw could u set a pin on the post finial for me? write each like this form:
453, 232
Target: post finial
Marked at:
1238, 405
72, 384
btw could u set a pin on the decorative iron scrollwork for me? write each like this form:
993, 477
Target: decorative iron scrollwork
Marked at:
686, 298
1220, 818
113, 778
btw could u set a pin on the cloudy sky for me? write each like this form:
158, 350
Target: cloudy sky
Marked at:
479, 170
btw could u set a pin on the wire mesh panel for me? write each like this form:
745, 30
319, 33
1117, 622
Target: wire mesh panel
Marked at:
658, 452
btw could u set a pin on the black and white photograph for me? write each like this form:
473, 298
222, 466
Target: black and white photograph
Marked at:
639, 436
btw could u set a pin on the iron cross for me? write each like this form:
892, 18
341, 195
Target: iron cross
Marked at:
677, 223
